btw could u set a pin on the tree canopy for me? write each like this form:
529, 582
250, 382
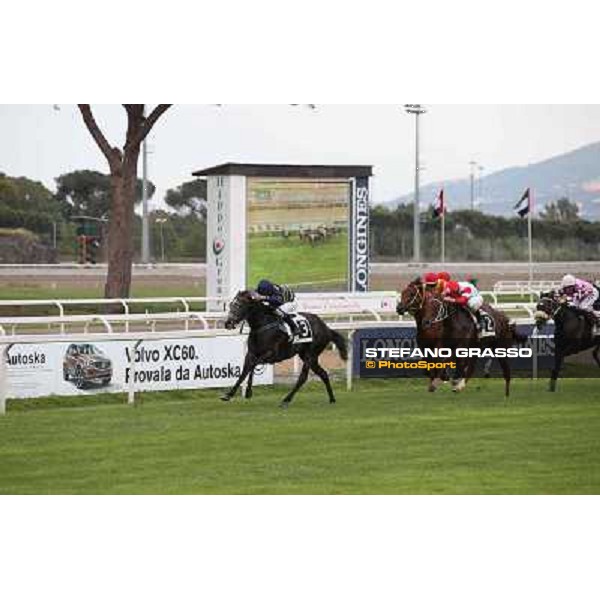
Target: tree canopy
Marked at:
89, 193
188, 198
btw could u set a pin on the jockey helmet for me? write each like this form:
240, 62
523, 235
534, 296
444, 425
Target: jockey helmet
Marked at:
444, 275
568, 281
430, 278
265, 287
453, 287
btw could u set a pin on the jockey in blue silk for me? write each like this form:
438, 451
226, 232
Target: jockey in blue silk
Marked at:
280, 300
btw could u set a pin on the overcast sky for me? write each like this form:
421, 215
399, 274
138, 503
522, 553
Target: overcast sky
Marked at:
41, 142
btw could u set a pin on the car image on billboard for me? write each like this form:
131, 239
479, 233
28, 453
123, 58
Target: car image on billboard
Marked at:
85, 365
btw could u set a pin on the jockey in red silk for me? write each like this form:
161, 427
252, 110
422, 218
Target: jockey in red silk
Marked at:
466, 294
276, 298
580, 293
437, 281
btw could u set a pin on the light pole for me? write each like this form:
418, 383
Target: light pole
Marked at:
417, 110
161, 221
145, 223
480, 177
473, 164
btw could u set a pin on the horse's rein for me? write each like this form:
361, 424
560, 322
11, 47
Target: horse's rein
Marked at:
419, 293
443, 312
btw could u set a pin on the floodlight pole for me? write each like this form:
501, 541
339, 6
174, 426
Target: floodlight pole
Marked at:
473, 164
416, 109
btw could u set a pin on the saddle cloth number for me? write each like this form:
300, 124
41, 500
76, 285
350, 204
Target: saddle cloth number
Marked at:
488, 322
304, 333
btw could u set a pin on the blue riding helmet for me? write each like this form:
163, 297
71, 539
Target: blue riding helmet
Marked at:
265, 287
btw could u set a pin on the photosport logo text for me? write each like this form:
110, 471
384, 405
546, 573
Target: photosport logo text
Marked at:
381, 361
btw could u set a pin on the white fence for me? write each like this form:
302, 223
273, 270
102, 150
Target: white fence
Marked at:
342, 311
525, 287
136, 339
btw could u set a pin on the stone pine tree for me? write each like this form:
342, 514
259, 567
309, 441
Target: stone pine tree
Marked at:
122, 163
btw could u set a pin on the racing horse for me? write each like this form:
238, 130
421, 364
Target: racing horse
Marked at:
268, 343
573, 330
451, 326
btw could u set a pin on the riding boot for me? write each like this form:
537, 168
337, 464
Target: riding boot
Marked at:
292, 324
287, 318
480, 322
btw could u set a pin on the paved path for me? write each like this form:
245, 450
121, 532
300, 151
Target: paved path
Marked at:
199, 269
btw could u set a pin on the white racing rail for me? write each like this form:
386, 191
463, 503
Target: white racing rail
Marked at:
137, 338
525, 287
380, 305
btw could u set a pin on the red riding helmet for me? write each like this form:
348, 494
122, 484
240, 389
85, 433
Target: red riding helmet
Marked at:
444, 275
430, 278
453, 287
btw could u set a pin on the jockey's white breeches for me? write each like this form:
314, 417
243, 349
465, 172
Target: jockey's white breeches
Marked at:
288, 307
475, 302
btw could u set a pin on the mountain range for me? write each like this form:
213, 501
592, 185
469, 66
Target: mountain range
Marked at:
575, 175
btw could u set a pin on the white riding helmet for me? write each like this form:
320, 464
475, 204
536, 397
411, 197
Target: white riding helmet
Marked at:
568, 281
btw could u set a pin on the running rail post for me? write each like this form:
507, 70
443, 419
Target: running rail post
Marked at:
131, 390
350, 360
3, 378
534, 347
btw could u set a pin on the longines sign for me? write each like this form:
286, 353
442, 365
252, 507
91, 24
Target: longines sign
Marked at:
359, 236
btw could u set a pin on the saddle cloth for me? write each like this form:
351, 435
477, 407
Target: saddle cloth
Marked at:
488, 324
304, 333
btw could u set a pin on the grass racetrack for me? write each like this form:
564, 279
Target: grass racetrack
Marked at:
384, 437
291, 261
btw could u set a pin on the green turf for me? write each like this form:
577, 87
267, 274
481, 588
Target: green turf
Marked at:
385, 437
96, 290
291, 261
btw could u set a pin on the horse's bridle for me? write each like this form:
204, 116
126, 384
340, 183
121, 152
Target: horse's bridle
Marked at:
555, 306
419, 294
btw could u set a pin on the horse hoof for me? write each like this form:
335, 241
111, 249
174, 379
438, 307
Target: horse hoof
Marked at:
226, 397
284, 404
332, 401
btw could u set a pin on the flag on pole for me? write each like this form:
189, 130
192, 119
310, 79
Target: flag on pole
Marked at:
523, 206
440, 207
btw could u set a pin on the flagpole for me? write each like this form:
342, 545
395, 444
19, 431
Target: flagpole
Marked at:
443, 236
529, 235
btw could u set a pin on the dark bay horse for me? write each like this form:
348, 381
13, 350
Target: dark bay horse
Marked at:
268, 343
573, 330
440, 324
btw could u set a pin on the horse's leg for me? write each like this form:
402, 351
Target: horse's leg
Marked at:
506, 374
248, 367
558, 361
595, 354
322, 373
435, 380
470, 369
458, 384
301, 381
248, 393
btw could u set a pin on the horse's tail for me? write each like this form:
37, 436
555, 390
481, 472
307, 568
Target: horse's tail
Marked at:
340, 343
518, 338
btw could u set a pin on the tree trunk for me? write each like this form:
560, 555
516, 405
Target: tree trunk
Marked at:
123, 172
120, 229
